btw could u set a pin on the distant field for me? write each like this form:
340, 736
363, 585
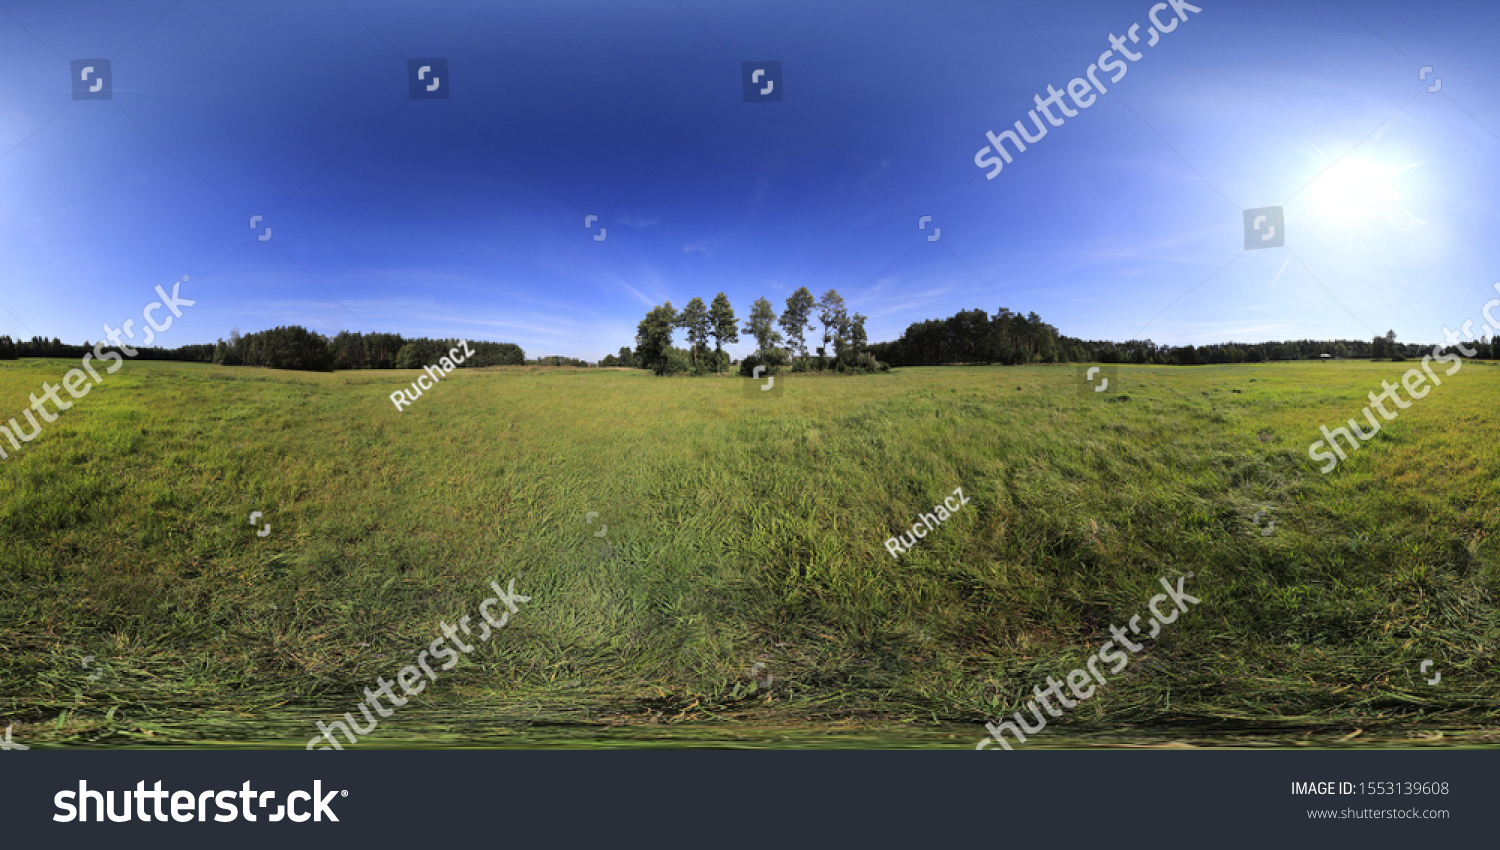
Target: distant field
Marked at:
741, 529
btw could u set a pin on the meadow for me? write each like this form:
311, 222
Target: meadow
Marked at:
685, 543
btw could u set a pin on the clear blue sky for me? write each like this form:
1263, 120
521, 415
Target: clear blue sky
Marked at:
464, 217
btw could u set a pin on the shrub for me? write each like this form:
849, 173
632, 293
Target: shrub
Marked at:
774, 359
675, 361
714, 361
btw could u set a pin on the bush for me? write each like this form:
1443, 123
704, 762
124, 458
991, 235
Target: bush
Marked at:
715, 361
675, 362
773, 359
496, 354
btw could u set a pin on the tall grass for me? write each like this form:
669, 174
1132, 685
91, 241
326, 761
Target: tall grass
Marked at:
743, 528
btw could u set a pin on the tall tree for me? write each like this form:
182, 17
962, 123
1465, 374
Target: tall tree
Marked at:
795, 319
694, 319
857, 338
236, 353
762, 324
722, 319
831, 313
654, 336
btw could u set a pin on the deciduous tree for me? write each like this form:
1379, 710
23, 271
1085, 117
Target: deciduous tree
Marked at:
694, 319
762, 324
722, 319
795, 319
653, 336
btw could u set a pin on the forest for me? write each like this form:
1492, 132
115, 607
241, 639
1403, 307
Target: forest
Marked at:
969, 336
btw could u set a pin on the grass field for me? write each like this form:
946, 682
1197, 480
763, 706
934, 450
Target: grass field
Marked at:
139, 606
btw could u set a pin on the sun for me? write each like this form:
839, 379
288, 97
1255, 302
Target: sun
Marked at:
1356, 190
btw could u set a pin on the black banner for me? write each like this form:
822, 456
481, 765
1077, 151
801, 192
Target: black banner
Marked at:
928, 799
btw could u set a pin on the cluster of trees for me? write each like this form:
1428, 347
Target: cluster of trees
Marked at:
625, 358
653, 338
845, 345
556, 360
289, 347
296, 347
973, 336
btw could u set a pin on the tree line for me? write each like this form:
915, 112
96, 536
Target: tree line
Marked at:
845, 346
969, 336
558, 360
973, 336
13, 349
1384, 347
296, 347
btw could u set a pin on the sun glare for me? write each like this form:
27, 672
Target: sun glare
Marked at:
1354, 191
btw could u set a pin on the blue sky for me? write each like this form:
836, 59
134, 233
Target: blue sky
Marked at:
464, 217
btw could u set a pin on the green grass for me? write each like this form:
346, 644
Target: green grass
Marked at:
744, 528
